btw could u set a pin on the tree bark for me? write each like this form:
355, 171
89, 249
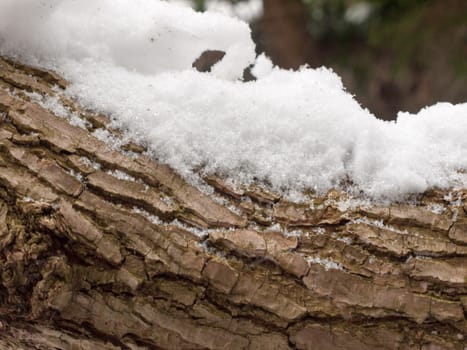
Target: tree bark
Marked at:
104, 248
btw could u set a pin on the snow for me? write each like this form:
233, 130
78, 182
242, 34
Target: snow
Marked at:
263, 66
121, 175
346, 240
292, 130
76, 175
106, 136
436, 208
53, 104
328, 264
90, 163
142, 36
152, 218
454, 203
379, 224
248, 10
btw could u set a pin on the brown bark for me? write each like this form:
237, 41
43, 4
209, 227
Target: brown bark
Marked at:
85, 263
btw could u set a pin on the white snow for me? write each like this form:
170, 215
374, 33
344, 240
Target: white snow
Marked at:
379, 224
294, 130
245, 10
154, 219
248, 10
263, 66
77, 175
106, 136
141, 36
436, 208
121, 175
454, 203
327, 263
346, 240
90, 163
53, 104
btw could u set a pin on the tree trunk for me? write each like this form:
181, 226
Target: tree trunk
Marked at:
104, 248
281, 33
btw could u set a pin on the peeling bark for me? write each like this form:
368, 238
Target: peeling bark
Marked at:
100, 249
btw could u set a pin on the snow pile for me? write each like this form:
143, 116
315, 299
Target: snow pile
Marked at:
294, 130
141, 36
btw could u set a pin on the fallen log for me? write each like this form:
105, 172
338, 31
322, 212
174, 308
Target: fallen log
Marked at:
102, 247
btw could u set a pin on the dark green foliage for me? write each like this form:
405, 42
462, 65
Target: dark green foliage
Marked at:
328, 20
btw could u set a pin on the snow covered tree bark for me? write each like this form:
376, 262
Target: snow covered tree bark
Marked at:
100, 248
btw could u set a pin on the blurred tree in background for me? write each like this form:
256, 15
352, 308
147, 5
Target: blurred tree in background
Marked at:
392, 54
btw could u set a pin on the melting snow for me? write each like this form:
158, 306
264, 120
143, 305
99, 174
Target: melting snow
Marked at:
295, 130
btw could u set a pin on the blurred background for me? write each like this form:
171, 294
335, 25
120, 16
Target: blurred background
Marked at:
393, 55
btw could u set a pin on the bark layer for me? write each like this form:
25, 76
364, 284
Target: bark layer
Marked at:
104, 248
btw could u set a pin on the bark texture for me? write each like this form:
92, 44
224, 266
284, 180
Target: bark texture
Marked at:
100, 249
